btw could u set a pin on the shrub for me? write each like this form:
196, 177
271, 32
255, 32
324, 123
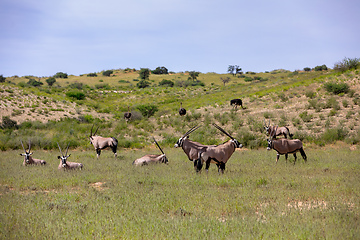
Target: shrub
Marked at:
60, 75
76, 95
107, 73
305, 116
347, 64
167, 83
102, 86
34, 83
248, 79
143, 84
92, 75
50, 81
144, 73
2, 78
8, 123
336, 88
334, 134
310, 94
147, 110
160, 70
76, 85
321, 68
307, 69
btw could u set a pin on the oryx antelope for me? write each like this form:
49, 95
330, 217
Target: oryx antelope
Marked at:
219, 154
236, 102
280, 130
192, 149
285, 146
182, 111
28, 159
64, 164
152, 158
100, 143
127, 115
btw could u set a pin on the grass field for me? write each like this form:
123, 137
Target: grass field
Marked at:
111, 199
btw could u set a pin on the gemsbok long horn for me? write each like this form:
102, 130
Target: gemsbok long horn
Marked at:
222, 130
152, 158
64, 164
158, 146
28, 159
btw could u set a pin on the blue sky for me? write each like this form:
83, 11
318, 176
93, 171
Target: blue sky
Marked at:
42, 37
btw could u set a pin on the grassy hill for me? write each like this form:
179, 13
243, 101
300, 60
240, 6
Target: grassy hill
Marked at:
66, 111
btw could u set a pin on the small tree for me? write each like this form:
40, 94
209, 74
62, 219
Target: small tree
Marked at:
160, 70
144, 73
143, 83
193, 75
225, 80
167, 83
307, 69
8, 123
60, 75
34, 83
231, 69
2, 78
50, 81
347, 64
238, 70
107, 73
321, 68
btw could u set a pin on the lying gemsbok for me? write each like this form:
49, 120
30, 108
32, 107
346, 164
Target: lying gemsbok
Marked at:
64, 164
285, 146
280, 131
151, 158
192, 149
219, 154
28, 159
100, 143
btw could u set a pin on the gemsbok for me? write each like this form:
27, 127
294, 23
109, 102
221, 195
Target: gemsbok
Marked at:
219, 154
28, 159
152, 158
101, 143
285, 146
192, 149
280, 130
182, 111
64, 164
127, 115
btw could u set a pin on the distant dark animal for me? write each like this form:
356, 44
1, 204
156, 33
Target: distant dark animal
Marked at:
152, 158
280, 130
127, 115
285, 146
100, 143
182, 110
236, 102
219, 154
64, 164
28, 159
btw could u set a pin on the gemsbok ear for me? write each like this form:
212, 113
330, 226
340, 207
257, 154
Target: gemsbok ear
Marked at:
59, 157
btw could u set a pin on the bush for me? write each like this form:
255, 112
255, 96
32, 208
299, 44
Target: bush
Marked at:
305, 116
60, 75
102, 86
307, 69
321, 68
147, 110
160, 70
347, 64
92, 75
34, 83
50, 81
2, 78
336, 88
76, 95
166, 83
334, 134
8, 123
107, 73
143, 84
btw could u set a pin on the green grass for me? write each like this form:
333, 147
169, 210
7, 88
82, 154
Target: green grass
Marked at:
255, 198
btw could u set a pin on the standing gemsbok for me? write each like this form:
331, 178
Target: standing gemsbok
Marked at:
64, 164
280, 131
100, 143
285, 146
152, 158
192, 149
28, 159
219, 154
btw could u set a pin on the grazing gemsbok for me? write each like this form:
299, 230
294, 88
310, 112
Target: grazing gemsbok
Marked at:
192, 149
127, 115
280, 131
151, 158
182, 111
64, 164
219, 154
285, 146
28, 159
100, 143
236, 102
